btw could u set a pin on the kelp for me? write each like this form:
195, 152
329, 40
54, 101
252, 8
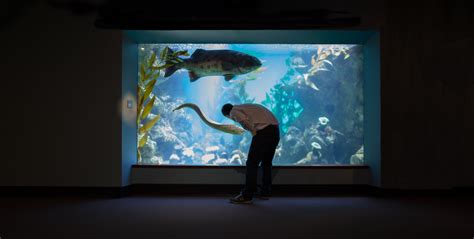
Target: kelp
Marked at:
148, 108
142, 140
281, 97
320, 61
150, 70
281, 102
238, 87
148, 125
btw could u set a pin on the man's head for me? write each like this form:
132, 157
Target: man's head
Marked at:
226, 109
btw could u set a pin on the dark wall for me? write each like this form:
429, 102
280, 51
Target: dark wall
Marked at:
427, 94
62, 85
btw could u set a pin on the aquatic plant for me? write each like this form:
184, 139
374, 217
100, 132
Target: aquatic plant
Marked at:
238, 87
174, 128
282, 103
283, 97
243, 95
321, 60
317, 80
149, 72
340, 98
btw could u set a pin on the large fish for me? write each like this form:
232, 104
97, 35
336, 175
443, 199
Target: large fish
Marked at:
227, 128
227, 63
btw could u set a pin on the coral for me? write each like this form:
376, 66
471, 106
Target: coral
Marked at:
163, 132
292, 147
339, 98
148, 151
156, 160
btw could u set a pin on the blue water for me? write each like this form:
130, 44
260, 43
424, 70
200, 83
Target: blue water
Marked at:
182, 138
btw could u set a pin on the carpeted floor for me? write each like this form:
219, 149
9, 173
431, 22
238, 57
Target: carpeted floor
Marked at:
190, 217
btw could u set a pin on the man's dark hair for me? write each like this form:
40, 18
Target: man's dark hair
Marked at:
226, 109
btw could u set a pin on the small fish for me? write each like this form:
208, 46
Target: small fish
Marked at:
227, 63
298, 62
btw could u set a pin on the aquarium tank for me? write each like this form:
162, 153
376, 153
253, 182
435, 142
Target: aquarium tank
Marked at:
314, 90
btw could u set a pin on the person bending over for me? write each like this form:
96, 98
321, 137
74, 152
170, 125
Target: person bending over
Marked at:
266, 134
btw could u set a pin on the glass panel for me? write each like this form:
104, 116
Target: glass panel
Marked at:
315, 92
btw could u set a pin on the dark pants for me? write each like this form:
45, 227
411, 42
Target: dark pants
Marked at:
262, 150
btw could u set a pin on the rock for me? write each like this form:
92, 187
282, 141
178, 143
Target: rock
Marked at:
156, 160
188, 152
212, 149
306, 160
174, 159
148, 151
236, 160
294, 131
316, 145
221, 161
358, 157
340, 98
292, 148
223, 154
207, 157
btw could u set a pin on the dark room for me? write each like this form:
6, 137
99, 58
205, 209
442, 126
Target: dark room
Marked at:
237, 119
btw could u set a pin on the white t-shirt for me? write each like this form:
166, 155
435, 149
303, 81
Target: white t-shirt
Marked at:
253, 117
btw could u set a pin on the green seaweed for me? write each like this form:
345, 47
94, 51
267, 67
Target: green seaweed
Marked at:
151, 68
238, 87
281, 101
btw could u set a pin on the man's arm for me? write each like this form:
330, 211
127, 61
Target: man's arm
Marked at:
243, 120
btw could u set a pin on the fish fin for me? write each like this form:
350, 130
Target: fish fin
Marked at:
173, 66
172, 69
166, 54
193, 76
229, 77
197, 52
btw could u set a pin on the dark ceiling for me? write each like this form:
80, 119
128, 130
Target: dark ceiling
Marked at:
202, 14
213, 14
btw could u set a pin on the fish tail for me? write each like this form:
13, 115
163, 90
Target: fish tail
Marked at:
174, 66
179, 107
170, 70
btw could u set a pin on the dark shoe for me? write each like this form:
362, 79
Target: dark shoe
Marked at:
263, 196
240, 199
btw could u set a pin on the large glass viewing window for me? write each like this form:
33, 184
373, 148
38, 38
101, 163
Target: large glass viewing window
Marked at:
314, 90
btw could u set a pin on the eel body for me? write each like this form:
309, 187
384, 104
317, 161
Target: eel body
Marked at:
227, 128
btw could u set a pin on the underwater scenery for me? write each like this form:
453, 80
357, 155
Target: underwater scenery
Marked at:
314, 90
